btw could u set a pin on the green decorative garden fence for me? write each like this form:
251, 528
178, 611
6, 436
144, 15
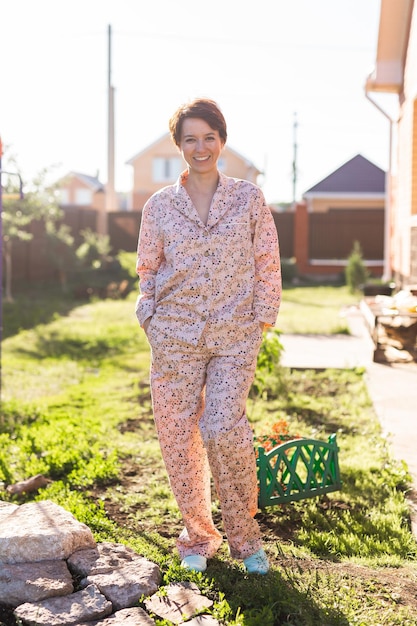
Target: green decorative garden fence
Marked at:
298, 469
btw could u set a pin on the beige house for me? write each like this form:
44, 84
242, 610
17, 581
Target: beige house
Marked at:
81, 190
395, 73
161, 163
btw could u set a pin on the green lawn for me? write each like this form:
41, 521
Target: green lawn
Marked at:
317, 310
80, 375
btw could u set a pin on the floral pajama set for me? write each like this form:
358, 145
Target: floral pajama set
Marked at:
207, 288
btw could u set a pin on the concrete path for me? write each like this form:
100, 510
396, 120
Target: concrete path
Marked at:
392, 387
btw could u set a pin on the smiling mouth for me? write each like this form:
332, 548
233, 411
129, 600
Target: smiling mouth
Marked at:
206, 158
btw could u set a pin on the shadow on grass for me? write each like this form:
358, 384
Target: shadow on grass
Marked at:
92, 351
272, 599
35, 306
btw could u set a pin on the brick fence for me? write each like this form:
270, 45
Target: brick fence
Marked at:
322, 242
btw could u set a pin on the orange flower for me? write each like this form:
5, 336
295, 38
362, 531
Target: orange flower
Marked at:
279, 433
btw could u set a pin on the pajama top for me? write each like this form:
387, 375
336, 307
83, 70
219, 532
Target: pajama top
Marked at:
224, 277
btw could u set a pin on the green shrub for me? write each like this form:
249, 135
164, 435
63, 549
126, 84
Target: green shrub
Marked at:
94, 250
288, 270
356, 272
269, 375
127, 261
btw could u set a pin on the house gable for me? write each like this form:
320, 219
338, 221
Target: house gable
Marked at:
357, 176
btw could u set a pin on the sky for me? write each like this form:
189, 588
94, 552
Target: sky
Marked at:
289, 77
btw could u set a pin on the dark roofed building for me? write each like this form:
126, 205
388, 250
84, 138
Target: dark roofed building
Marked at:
346, 206
357, 176
357, 184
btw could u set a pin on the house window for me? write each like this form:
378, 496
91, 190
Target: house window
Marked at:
63, 197
166, 170
83, 197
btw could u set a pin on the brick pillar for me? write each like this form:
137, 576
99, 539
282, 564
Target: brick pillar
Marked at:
301, 251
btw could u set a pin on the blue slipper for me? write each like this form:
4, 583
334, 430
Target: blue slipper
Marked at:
257, 563
194, 562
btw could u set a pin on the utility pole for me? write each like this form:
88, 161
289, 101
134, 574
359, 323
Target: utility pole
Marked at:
294, 162
110, 200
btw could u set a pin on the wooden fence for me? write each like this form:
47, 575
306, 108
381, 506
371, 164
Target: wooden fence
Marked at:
332, 234
320, 242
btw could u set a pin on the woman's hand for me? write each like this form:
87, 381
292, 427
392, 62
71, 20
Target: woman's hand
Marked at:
146, 325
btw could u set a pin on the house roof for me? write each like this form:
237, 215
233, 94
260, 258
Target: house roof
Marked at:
393, 34
154, 143
91, 181
357, 176
247, 162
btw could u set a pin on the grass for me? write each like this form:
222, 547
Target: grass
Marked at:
80, 375
317, 310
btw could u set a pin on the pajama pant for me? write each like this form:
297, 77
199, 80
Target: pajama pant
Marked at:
199, 399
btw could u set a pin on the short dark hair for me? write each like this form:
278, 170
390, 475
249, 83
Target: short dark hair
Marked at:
202, 108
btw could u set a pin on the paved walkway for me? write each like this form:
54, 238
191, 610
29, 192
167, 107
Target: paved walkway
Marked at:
392, 387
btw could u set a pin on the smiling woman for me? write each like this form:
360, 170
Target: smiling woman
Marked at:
199, 131
210, 281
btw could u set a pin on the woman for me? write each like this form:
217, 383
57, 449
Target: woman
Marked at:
210, 282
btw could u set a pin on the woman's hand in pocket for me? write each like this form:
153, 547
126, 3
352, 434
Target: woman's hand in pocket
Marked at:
146, 325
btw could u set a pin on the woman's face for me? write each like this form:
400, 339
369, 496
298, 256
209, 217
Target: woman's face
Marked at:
200, 145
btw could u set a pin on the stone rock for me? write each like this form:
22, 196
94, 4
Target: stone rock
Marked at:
6, 509
45, 553
41, 531
86, 605
124, 585
31, 582
126, 617
180, 601
103, 558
